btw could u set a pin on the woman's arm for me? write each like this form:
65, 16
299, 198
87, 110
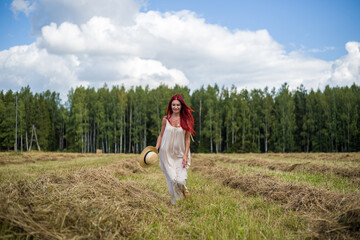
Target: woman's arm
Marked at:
163, 125
187, 148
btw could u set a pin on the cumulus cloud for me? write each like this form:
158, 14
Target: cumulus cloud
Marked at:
128, 71
91, 44
346, 70
98, 36
28, 65
44, 12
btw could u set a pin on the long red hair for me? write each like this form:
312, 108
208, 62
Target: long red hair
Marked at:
186, 119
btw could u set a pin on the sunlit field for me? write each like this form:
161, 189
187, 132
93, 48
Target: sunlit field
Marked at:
233, 196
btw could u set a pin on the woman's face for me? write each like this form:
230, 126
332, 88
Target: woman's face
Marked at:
176, 106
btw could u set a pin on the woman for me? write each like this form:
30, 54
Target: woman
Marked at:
174, 143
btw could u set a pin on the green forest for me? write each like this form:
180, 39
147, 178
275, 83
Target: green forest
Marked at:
119, 120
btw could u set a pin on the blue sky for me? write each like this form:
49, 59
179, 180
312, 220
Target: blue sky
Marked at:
13, 30
319, 27
308, 24
60, 44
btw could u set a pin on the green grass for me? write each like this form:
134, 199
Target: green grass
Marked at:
13, 172
291, 160
214, 212
326, 181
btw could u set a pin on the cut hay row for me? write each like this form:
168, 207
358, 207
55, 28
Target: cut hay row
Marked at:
338, 157
28, 157
332, 215
91, 204
352, 173
125, 168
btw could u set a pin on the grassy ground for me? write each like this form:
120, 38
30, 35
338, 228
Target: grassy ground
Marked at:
66, 195
319, 180
214, 212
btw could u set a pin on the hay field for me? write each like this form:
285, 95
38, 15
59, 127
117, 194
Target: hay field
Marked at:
233, 196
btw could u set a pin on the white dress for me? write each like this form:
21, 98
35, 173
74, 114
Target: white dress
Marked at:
172, 150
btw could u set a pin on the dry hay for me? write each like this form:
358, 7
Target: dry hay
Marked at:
89, 204
126, 168
352, 173
344, 157
29, 157
332, 215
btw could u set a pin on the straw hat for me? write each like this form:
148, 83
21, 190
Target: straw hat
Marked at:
148, 156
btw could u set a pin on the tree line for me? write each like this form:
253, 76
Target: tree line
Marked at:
117, 120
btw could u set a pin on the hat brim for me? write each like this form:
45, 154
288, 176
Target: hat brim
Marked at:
143, 153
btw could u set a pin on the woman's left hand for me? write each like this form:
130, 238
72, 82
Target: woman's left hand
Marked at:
184, 161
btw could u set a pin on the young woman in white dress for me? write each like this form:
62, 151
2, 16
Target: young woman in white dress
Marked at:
174, 144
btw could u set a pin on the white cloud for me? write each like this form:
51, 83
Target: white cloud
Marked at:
98, 36
346, 70
80, 11
128, 71
88, 43
28, 65
138, 71
22, 6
